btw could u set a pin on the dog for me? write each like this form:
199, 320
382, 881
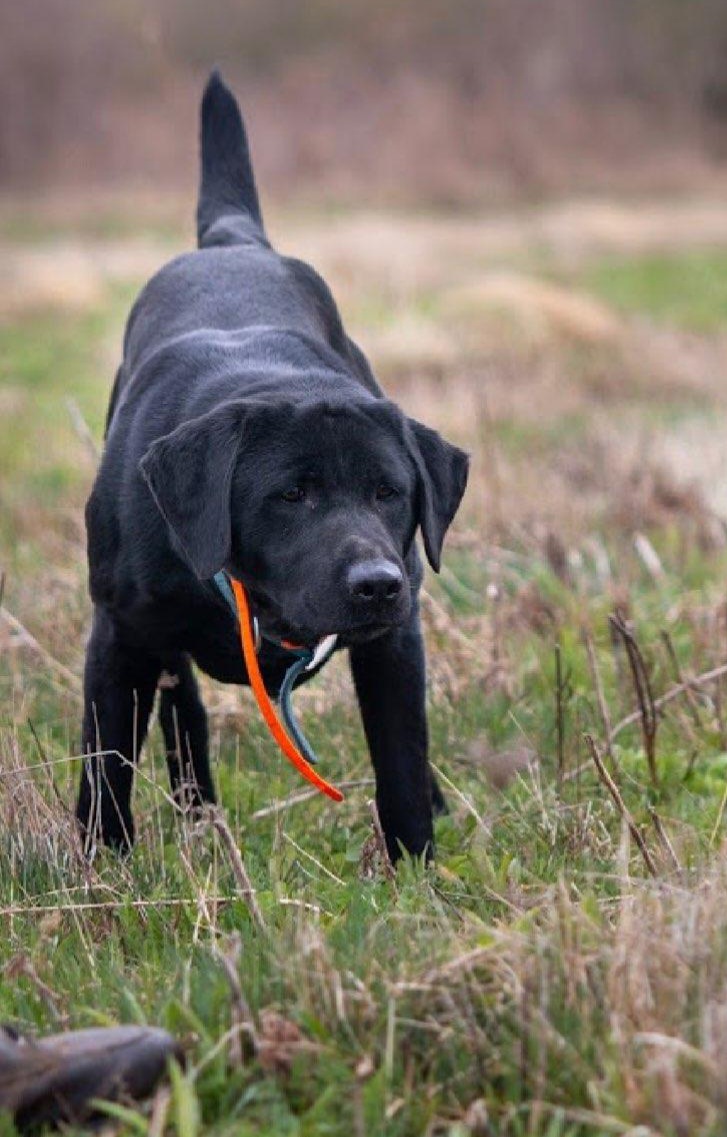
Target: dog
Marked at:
247, 434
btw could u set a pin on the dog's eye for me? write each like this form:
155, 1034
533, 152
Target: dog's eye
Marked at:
384, 491
295, 493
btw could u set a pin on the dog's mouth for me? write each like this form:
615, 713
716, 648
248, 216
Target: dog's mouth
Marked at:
274, 626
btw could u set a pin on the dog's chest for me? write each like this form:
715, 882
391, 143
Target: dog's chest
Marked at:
222, 659
210, 636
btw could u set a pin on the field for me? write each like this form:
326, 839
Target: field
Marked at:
563, 968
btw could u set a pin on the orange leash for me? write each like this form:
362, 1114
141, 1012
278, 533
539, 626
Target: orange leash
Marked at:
275, 727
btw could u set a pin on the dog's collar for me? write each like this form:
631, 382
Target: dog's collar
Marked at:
222, 581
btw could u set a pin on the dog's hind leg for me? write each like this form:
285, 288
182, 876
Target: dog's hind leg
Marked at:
389, 676
184, 726
119, 686
439, 801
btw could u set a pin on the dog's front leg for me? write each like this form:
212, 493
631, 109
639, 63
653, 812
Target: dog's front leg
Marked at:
389, 675
119, 686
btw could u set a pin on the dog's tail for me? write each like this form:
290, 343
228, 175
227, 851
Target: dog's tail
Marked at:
227, 184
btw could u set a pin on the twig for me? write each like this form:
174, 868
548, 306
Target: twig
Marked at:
600, 696
679, 675
466, 802
649, 556
664, 838
47, 767
203, 908
389, 871
718, 820
110, 905
30, 641
242, 1019
219, 824
673, 693
644, 695
690, 764
619, 803
82, 429
304, 853
304, 795
559, 717
159, 1112
20, 966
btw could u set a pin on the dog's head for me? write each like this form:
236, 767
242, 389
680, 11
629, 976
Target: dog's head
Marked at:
313, 505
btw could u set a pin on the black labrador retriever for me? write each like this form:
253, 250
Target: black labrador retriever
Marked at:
246, 433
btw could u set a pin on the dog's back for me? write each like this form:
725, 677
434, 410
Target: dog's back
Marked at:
235, 281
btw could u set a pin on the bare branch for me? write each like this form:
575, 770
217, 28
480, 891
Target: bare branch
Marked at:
620, 804
642, 686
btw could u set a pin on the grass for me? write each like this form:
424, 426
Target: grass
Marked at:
687, 290
543, 979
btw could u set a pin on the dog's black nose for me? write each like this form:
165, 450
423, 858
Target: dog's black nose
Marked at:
379, 580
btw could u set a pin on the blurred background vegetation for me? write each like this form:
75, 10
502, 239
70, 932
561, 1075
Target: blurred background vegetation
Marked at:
444, 102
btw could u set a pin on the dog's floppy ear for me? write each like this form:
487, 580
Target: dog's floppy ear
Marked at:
189, 473
442, 477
